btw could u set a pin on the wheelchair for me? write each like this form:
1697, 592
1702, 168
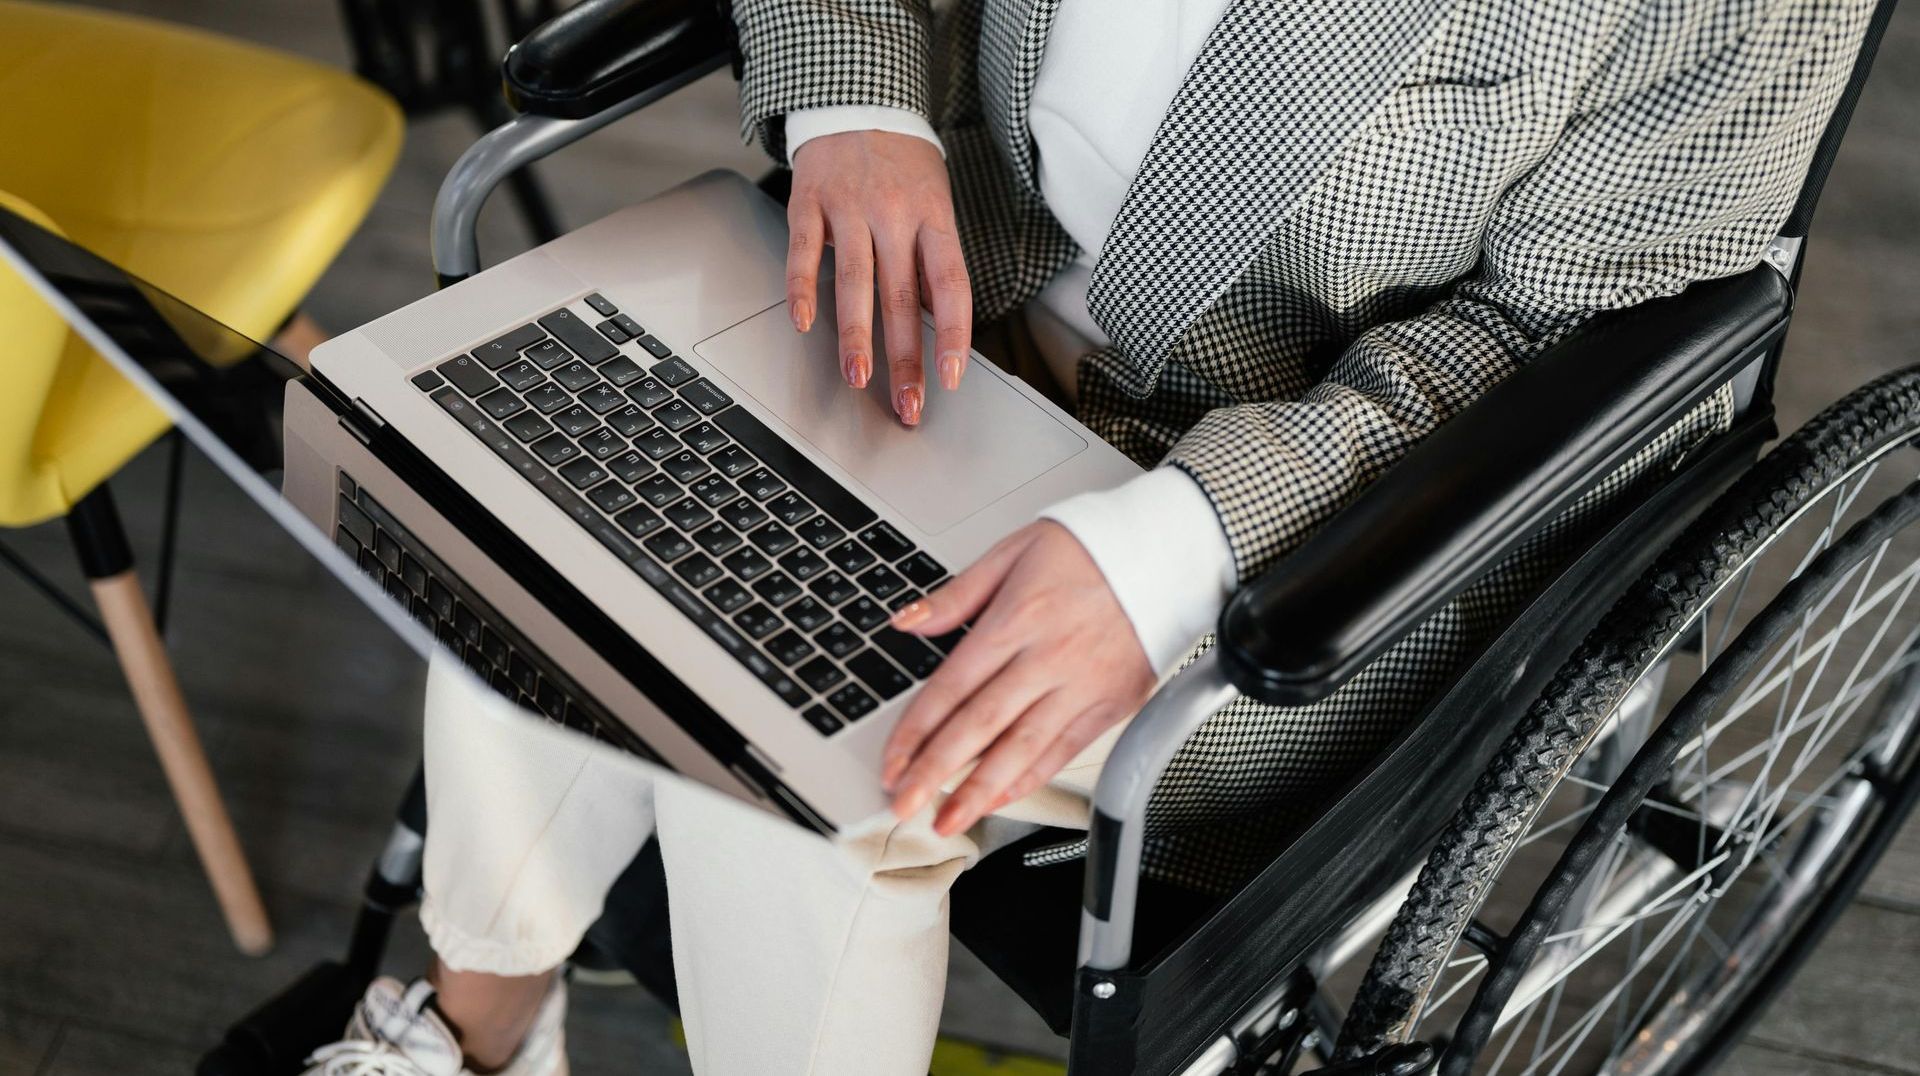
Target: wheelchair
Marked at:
1602, 847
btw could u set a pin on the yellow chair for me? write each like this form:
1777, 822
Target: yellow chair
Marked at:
227, 174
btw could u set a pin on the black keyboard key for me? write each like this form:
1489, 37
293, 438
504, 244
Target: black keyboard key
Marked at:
612, 332
908, 652
946, 643
846, 509
611, 497
507, 347
884, 540
658, 491
575, 376
601, 444
640, 521
574, 421
923, 571
548, 354
819, 674
697, 570
882, 583
878, 673
582, 473
621, 371
629, 420
705, 396
705, 437
838, 639
761, 484
728, 596
355, 521
804, 564
852, 703
773, 539
548, 697
578, 336
649, 393
669, 546
849, 556
466, 624
428, 380
547, 398
555, 450
758, 621
439, 599
717, 538
656, 444
748, 564
655, 347
602, 398
777, 589
732, 461
821, 719
808, 615
790, 508
630, 466
713, 491
412, 573
789, 648
629, 326
900, 600
688, 515
742, 515
521, 375
819, 532
468, 376
463, 410
865, 613
675, 415
834, 588
684, 466
601, 305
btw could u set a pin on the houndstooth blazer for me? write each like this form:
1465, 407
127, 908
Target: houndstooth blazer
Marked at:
1354, 218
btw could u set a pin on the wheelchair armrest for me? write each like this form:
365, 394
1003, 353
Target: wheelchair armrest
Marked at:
601, 52
1486, 481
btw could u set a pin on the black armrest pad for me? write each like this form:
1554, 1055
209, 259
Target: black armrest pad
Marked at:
601, 52
1487, 480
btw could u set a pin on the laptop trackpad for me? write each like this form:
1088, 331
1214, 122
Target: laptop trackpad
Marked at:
973, 446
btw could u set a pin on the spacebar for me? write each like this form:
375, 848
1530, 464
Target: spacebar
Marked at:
812, 482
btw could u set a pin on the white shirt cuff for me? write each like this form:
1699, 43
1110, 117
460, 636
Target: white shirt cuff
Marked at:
1159, 542
806, 124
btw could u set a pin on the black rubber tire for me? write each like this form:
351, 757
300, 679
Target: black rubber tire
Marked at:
1632, 635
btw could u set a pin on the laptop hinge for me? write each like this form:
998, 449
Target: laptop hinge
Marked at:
362, 422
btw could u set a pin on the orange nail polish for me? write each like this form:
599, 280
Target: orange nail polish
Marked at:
950, 369
858, 371
911, 615
802, 315
908, 405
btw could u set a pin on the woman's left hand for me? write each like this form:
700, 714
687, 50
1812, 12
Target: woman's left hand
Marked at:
1051, 663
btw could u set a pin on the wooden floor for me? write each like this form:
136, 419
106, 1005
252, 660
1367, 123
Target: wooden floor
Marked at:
112, 958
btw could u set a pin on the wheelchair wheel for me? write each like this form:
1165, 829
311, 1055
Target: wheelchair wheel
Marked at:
1699, 790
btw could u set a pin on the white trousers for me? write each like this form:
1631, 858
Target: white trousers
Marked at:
794, 955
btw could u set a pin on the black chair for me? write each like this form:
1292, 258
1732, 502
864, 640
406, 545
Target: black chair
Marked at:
1557, 727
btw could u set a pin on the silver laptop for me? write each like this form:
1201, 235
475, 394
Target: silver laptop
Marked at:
670, 499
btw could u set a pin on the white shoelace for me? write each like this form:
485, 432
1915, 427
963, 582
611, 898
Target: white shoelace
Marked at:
363, 1057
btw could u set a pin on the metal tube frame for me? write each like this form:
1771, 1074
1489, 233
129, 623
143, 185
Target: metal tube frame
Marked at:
505, 150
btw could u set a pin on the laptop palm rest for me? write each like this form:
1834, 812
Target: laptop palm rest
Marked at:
973, 446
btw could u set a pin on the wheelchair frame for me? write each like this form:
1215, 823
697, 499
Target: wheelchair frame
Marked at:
1235, 987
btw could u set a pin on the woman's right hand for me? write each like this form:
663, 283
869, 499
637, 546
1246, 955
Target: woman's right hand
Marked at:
882, 199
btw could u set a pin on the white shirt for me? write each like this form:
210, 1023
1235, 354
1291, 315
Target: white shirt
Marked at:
1110, 70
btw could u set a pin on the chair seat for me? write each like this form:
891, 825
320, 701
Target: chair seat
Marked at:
227, 174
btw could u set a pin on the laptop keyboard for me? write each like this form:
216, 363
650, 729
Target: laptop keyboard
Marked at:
461, 621
783, 567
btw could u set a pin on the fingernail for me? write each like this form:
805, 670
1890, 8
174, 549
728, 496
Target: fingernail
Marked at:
858, 370
907, 403
943, 823
911, 615
909, 804
802, 315
950, 369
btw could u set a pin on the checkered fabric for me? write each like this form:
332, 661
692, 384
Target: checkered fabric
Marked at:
1355, 217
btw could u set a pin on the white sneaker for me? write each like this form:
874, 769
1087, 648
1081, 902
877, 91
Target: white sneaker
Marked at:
395, 1031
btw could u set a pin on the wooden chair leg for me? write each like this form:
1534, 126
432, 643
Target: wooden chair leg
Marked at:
156, 694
